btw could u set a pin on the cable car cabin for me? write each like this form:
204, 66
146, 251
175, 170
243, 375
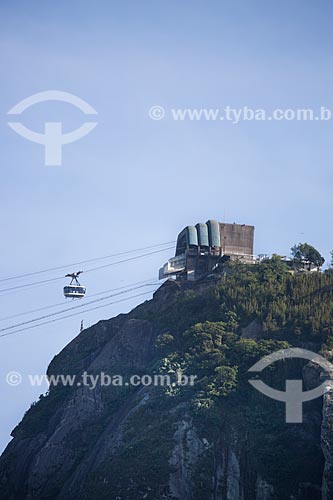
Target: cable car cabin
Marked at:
74, 291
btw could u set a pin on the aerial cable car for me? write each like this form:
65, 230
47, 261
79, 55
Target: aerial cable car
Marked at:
74, 290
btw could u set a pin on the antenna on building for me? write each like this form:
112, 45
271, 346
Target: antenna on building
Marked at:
81, 327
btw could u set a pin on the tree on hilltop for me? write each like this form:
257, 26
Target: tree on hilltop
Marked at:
306, 256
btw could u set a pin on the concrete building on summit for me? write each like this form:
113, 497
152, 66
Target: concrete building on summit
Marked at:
202, 247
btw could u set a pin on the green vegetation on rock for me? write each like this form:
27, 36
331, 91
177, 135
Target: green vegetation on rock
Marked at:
203, 330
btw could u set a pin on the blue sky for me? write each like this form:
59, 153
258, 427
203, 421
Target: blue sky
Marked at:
135, 182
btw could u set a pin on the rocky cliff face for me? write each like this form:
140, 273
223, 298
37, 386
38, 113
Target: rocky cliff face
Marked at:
154, 443
327, 446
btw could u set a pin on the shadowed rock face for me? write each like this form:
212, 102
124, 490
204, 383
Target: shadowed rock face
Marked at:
133, 443
327, 446
36, 466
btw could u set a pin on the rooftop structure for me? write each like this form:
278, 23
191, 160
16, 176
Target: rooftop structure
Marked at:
202, 247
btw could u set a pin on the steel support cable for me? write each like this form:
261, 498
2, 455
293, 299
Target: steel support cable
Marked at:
75, 314
87, 271
84, 262
79, 306
12, 316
